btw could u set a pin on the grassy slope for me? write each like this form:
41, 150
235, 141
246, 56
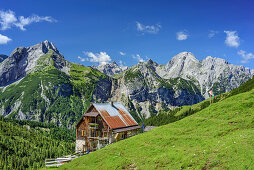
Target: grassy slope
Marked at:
219, 136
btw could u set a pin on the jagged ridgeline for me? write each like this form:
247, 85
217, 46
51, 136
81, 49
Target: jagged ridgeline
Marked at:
37, 83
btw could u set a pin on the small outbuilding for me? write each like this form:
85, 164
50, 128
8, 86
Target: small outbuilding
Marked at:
149, 128
103, 124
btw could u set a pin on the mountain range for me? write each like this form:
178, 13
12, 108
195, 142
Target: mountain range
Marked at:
37, 83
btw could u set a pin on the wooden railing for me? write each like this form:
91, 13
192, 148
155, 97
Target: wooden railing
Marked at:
95, 125
97, 137
62, 160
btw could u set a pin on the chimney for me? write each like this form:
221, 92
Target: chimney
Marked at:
112, 104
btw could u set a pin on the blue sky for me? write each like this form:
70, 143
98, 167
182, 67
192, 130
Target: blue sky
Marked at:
95, 32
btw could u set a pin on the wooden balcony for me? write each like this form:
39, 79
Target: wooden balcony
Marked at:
97, 138
93, 125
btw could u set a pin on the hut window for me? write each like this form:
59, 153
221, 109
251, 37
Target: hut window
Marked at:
93, 133
97, 133
83, 133
93, 120
99, 118
105, 134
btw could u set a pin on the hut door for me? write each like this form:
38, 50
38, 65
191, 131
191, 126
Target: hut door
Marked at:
125, 135
84, 148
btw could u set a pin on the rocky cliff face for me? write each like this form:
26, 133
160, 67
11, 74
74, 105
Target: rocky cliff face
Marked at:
147, 90
110, 68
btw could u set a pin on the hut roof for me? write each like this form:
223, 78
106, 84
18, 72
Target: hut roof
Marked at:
115, 114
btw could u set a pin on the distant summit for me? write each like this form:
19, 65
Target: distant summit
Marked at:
110, 68
210, 73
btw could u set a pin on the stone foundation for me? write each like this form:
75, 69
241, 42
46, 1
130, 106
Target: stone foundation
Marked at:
79, 145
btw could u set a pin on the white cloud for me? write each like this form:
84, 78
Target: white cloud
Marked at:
137, 57
4, 39
34, 18
182, 35
122, 53
101, 58
152, 29
212, 33
81, 59
8, 20
246, 56
232, 39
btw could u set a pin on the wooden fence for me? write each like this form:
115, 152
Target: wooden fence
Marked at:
60, 161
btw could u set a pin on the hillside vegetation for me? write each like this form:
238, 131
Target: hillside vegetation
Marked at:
219, 136
26, 144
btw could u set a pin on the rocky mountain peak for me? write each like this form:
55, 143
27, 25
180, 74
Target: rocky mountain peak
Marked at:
183, 62
24, 60
182, 59
43, 47
114, 63
184, 56
49, 45
110, 68
151, 62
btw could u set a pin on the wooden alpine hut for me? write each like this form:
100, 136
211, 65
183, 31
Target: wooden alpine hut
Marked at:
103, 124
